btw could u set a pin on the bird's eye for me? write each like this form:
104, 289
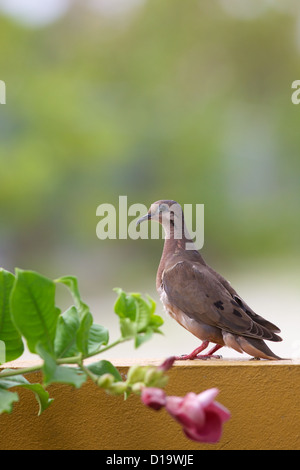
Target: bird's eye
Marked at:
162, 208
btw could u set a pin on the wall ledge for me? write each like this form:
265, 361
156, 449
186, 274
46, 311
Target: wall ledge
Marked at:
129, 361
262, 396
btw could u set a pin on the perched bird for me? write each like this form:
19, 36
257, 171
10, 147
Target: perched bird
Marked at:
199, 298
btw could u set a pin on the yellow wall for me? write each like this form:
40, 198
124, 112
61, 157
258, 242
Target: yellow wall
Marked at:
263, 397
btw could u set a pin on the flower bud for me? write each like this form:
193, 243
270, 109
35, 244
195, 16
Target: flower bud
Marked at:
117, 388
135, 374
137, 387
105, 380
167, 364
161, 381
152, 375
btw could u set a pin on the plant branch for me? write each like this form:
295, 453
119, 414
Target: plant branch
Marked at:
25, 370
65, 360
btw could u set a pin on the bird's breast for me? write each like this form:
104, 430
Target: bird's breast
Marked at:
196, 327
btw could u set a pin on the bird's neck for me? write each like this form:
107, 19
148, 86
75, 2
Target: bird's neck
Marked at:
179, 245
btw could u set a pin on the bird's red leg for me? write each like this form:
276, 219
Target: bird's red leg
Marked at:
214, 349
194, 353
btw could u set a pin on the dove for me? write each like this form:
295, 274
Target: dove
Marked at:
200, 299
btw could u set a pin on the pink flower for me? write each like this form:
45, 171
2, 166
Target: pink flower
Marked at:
200, 416
153, 397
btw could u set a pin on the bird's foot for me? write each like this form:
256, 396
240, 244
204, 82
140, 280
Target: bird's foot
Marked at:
195, 354
208, 356
191, 357
185, 357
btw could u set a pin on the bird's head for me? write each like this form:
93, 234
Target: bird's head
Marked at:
166, 212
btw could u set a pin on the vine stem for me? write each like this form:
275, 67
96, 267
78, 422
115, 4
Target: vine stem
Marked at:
25, 370
65, 360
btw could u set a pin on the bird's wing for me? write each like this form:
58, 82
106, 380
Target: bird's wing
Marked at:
195, 290
242, 304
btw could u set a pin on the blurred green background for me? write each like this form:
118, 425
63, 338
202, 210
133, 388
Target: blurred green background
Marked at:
154, 100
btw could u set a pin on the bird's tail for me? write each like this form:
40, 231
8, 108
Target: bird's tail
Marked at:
257, 348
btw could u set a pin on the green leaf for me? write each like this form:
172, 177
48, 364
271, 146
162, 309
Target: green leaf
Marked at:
82, 339
61, 374
155, 322
143, 313
125, 306
147, 316
137, 318
104, 367
11, 337
41, 395
89, 336
6, 400
152, 305
98, 336
128, 328
72, 283
33, 309
65, 375
140, 338
66, 333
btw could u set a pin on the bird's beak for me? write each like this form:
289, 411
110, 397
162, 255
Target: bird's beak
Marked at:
145, 217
